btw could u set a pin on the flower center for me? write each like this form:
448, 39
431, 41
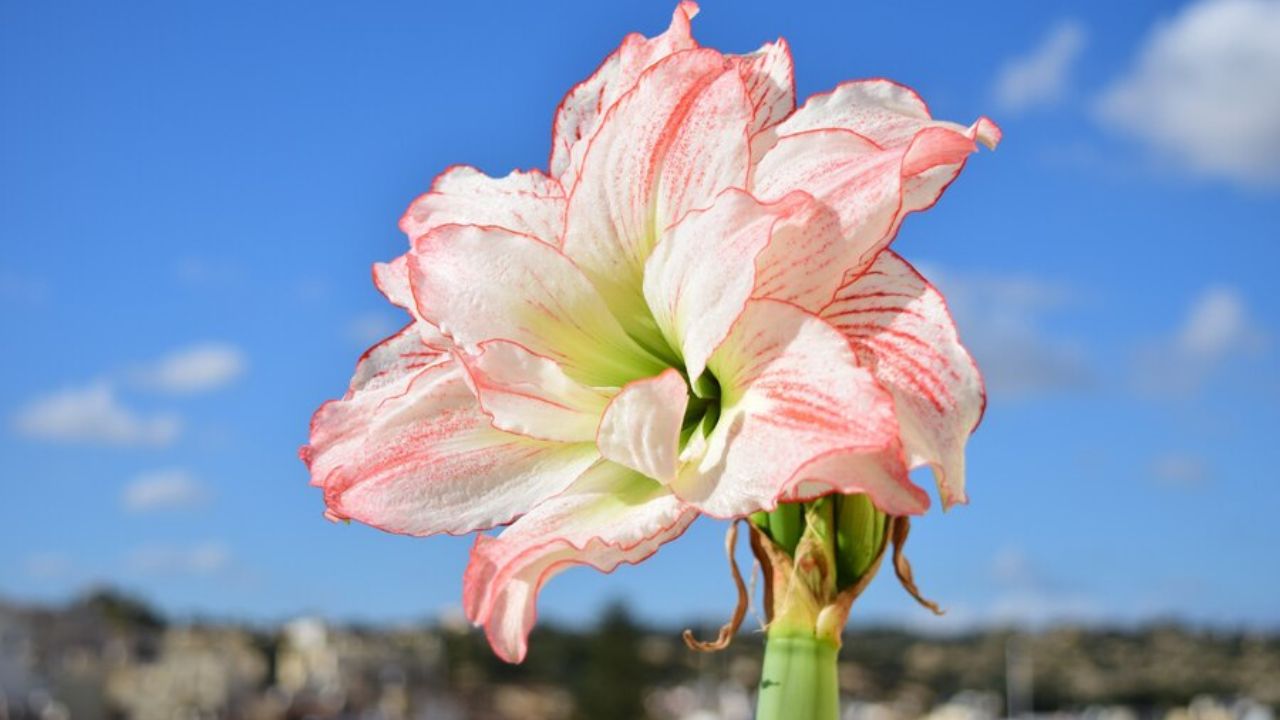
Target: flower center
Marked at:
703, 411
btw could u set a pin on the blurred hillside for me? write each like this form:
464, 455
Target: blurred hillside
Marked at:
111, 656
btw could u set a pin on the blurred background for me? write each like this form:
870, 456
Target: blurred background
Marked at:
192, 194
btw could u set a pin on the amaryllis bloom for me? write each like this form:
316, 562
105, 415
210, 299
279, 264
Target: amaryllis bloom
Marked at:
693, 311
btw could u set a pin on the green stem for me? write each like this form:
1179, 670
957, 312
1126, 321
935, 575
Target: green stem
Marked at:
798, 680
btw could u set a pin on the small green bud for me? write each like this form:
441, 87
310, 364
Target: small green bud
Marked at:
786, 526
859, 536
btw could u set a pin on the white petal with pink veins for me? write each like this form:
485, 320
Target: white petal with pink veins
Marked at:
859, 181
609, 516
870, 150
392, 280
525, 202
770, 79
581, 111
641, 427
900, 328
700, 276
805, 261
530, 395
668, 146
479, 284
882, 111
794, 401
409, 451
870, 188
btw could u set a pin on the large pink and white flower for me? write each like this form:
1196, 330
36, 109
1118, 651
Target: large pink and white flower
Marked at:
695, 311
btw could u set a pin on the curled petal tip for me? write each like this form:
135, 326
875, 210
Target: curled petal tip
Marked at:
987, 132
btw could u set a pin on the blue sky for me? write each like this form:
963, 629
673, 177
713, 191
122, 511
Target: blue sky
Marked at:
191, 196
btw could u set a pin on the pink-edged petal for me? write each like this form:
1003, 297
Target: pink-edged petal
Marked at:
700, 276
670, 145
581, 111
769, 75
870, 150
530, 395
409, 451
479, 284
641, 427
882, 111
525, 202
392, 280
797, 414
901, 330
804, 262
870, 188
611, 515
388, 366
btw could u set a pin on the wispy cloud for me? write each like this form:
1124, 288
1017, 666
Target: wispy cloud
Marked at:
1204, 90
169, 489
1217, 327
1001, 320
198, 368
92, 414
208, 558
1042, 76
1180, 470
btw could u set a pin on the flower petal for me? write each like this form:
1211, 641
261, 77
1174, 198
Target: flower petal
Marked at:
530, 395
525, 202
700, 276
409, 451
609, 516
582, 109
869, 150
870, 188
668, 146
641, 427
770, 79
859, 181
797, 413
804, 262
479, 284
392, 280
882, 111
901, 329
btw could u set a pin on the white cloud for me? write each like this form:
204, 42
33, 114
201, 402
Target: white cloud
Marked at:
1216, 326
370, 327
1205, 90
1001, 320
1216, 329
1180, 470
207, 558
171, 489
198, 368
1041, 76
92, 414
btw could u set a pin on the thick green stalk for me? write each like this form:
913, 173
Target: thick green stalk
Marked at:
798, 681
